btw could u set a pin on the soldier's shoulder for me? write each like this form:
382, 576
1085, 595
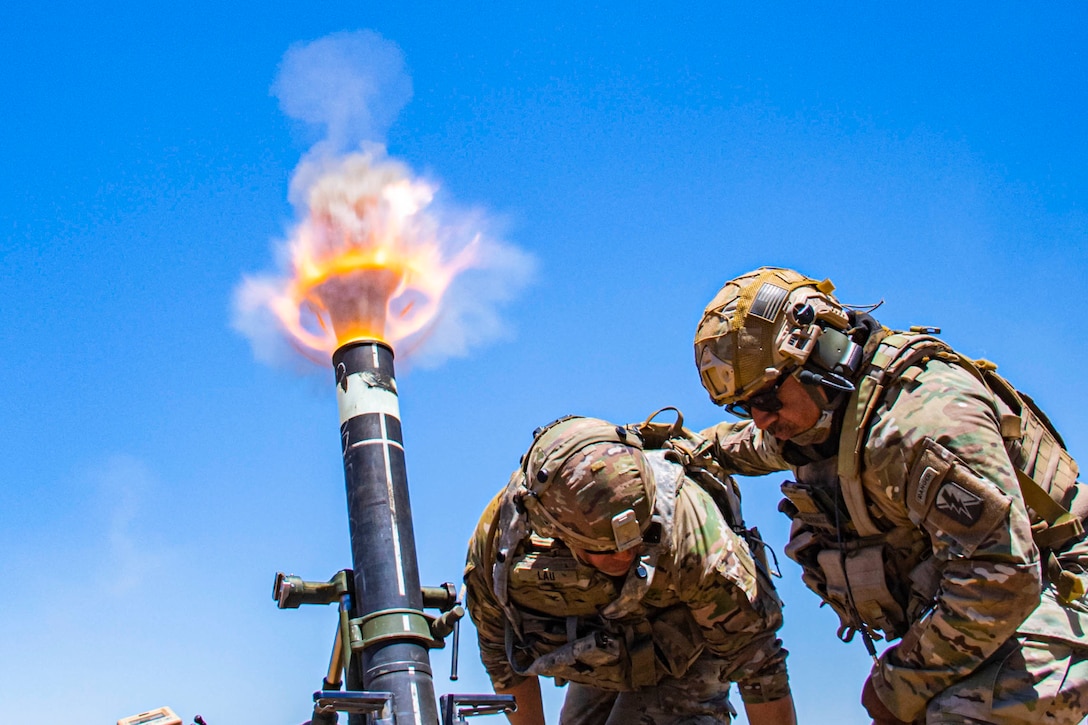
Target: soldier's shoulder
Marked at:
933, 400
700, 529
707, 554
491, 512
481, 535
695, 507
933, 393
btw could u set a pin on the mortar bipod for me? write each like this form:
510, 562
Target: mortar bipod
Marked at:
354, 635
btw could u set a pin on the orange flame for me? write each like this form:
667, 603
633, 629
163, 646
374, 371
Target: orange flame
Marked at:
367, 263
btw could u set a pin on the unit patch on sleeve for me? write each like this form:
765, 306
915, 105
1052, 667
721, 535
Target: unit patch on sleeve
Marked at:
949, 500
929, 475
959, 504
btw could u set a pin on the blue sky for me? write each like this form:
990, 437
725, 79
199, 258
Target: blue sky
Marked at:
155, 475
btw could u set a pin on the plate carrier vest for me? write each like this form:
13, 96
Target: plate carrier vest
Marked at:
884, 580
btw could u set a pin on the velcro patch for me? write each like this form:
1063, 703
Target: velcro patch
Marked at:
948, 499
959, 504
924, 477
542, 569
768, 302
929, 475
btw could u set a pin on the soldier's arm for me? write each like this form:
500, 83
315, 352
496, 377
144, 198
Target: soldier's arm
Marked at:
530, 707
742, 448
940, 447
775, 712
738, 614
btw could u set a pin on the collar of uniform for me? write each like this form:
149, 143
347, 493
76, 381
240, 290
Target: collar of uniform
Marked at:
635, 586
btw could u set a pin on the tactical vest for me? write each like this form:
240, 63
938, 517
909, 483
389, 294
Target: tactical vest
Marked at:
880, 579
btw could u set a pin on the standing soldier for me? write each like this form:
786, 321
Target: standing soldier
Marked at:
609, 567
931, 503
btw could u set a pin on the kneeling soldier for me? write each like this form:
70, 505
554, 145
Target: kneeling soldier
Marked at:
609, 567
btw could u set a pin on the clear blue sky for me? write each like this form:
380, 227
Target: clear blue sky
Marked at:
154, 475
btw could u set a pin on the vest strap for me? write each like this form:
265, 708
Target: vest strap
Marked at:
894, 354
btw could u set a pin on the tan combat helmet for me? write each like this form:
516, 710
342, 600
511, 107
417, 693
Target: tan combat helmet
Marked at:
588, 485
768, 323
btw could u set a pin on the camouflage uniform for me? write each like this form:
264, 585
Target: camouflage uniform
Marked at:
692, 615
959, 571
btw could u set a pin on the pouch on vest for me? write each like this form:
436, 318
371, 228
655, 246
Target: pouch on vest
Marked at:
814, 506
594, 650
856, 582
600, 659
1034, 444
674, 635
553, 581
803, 547
810, 528
851, 580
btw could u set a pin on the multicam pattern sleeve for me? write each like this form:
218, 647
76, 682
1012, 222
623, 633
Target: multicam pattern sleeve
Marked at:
743, 449
734, 608
483, 607
935, 456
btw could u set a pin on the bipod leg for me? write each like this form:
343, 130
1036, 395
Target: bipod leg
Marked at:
333, 678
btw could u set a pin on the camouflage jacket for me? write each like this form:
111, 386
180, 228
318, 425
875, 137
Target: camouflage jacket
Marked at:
937, 480
702, 597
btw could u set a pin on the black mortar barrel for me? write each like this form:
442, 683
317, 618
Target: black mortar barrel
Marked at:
388, 598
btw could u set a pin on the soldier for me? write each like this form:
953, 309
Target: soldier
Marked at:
913, 466
607, 566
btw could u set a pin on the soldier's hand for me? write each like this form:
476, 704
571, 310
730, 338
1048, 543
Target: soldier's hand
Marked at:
880, 714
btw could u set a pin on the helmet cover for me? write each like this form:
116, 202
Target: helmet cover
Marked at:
758, 325
589, 485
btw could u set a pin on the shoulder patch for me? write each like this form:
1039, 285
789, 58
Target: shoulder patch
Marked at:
925, 477
959, 504
925, 480
950, 501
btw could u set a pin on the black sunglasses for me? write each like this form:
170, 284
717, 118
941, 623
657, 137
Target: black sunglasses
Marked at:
765, 399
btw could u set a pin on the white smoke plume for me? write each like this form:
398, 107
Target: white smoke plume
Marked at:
349, 89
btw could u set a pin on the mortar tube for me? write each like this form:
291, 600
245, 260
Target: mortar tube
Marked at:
386, 571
